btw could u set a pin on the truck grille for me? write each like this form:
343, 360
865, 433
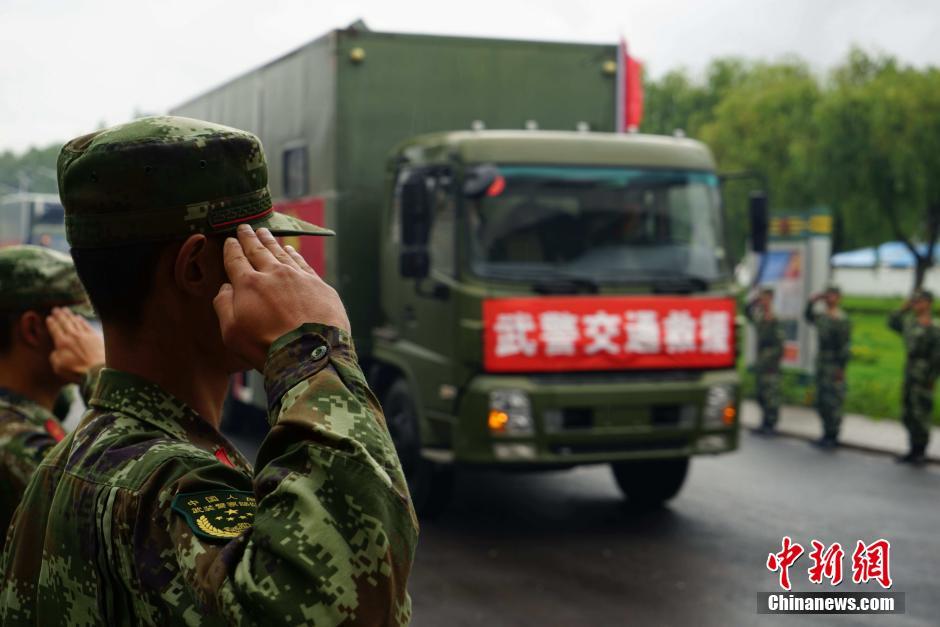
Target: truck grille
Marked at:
609, 378
586, 418
618, 447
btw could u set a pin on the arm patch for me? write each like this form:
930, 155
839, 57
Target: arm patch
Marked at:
217, 514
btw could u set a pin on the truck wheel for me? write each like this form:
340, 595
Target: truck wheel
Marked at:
431, 485
650, 482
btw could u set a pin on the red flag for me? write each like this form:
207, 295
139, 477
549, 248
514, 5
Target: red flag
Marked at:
629, 90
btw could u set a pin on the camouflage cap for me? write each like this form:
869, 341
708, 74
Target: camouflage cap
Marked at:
923, 294
35, 277
161, 178
832, 288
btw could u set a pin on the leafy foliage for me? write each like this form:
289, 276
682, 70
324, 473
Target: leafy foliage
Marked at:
33, 170
864, 141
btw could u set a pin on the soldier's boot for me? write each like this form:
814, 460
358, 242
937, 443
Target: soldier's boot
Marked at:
769, 424
915, 456
829, 439
826, 442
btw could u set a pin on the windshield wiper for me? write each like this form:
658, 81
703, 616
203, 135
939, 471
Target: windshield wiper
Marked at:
565, 285
679, 284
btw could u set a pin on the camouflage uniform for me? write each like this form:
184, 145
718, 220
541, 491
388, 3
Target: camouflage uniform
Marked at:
770, 338
27, 432
834, 335
147, 515
30, 278
922, 343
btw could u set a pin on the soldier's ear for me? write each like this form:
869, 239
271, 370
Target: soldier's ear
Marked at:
32, 330
191, 269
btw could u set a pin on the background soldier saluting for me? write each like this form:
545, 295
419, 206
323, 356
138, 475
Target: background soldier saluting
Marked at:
43, 346
770, 337
914, 321
834, 334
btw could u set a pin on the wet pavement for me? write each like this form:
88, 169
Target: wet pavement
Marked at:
563, 549
877, 435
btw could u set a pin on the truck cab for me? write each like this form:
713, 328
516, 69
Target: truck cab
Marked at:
564, 220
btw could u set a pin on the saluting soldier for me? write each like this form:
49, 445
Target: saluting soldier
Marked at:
146, 514
770, 338
43, 347
914, 321
834, 333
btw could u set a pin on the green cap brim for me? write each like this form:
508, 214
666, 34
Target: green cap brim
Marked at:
283, 224
84, 310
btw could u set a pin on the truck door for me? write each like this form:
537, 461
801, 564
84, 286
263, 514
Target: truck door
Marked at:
426, 306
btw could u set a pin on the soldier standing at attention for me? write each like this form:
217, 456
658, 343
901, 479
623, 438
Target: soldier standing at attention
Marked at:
43, 347
770, 337
146, 514
834, 332
914, 321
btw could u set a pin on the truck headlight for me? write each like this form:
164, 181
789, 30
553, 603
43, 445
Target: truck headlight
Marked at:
720, 409
510, 413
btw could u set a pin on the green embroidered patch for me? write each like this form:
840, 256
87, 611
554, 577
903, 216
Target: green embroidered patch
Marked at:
217, 515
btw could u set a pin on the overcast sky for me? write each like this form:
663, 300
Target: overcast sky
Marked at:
68, 65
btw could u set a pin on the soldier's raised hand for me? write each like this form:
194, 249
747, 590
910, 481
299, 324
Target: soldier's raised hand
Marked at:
77, 346
271, 290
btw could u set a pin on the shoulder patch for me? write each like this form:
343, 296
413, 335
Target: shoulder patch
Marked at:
217, 514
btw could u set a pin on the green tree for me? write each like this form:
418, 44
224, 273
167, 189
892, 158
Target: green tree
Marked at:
764, 123
879, 146
33, 170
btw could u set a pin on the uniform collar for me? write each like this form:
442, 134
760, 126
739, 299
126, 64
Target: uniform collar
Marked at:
23, 406
146, 401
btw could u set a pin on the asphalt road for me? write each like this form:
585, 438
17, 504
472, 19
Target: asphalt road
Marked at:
563, 549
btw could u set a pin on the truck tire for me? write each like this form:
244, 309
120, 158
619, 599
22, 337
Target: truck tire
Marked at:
650, 482
431, 485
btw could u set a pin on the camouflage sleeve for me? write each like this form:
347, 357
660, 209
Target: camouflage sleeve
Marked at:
809, 313
781, 336
896, 320
333, 533
749, 311
845, 350
22, 447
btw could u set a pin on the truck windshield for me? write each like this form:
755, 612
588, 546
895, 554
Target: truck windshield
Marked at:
599, 224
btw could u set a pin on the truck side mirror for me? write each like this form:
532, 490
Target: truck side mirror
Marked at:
478, 181
414, 259
757, 208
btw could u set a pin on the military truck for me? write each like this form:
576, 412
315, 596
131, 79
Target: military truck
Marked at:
527, 289
30, 218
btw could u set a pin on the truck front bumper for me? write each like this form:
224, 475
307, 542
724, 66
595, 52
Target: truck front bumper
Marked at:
596, 418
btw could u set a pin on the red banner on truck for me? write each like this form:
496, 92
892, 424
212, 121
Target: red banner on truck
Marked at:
310, 209
571, 333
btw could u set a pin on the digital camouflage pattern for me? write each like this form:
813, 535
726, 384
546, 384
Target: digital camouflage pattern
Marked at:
922, 344
36, 277
333, 531
770, 338
159, 178
27, 432
834, 333
31, 277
